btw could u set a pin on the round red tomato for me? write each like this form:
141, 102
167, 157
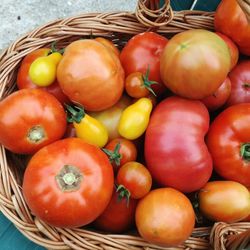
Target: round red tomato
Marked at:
119, 215
195, 63
90, 74
240, 83
219, 98
236, 27
142, 53
68, 183
175, 152
165, 217
135, 178
24, 81
30, 119
225, 201
228, 141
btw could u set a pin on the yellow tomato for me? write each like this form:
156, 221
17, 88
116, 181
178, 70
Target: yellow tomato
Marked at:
135, 118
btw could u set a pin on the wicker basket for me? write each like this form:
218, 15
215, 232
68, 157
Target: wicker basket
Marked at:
118, 26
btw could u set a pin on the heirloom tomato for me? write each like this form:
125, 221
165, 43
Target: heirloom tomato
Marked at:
228, 141
68, 183
175, 152
108, 44
165, 217
30, 119
91, 75
194, 63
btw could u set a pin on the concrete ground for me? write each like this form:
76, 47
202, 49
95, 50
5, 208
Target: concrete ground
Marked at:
20, 16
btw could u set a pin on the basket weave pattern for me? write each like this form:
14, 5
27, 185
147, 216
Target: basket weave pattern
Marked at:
118, 26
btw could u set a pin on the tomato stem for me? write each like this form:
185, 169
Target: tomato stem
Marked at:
245, 151
123, 193
114, 156
36, 134
74, 113
147, 83
54, 49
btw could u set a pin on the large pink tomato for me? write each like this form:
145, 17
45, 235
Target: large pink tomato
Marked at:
175, 151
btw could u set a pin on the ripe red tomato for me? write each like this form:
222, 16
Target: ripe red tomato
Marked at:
228, 142
219, 98
68, 183
90, 74
240, 84
135, 178
30, 119
119, 215
24, 81
225, 201
120, 151
195, 63
175, 152
142, 52
165, 217
236, 27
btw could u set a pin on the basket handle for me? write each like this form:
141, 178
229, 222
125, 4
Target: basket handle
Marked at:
152, 15
238, 241
245, 6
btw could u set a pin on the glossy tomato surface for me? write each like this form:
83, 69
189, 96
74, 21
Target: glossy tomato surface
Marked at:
175, 152
68, 183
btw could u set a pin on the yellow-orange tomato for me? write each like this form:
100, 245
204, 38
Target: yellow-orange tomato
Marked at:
91, 75
248, 218
108, 44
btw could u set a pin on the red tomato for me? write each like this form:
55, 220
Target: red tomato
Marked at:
119, 215
135, 178
142, 52
120, 151
24, 82
90, 74
30, 119
228, 141
68, 183
236, 27
240, 82
165, 217
233, 49
195, 63
219, 98
225, 201
175, 152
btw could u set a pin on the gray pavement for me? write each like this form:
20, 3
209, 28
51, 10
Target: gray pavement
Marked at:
18, 17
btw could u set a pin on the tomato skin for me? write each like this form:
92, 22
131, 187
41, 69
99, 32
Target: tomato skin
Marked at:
73, 208
200, 76
165, 217
26, 114
91, 75
236, 27
179, 157
225, 201
118, 217
226, 137
135, 178
248, 218
240, 81
142, 52
110, 45
220, 97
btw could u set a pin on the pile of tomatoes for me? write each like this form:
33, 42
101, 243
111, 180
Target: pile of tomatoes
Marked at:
137, 138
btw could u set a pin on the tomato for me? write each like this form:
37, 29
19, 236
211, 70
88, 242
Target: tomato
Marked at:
135, 178
142, 52
24, 81
233, 49
110, 117
91, 75
225, 201
236, 27
70, 131
30, 119
175, 152
87, 127
195, 63
68, 183
118, 217
228, 141
248, 218
219, 98
135, 118
240, 81
108, 44
120, 151
165, 217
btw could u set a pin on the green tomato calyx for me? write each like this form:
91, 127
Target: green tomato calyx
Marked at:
245, 151
123, 194
74, 113
114, 156
147, 83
